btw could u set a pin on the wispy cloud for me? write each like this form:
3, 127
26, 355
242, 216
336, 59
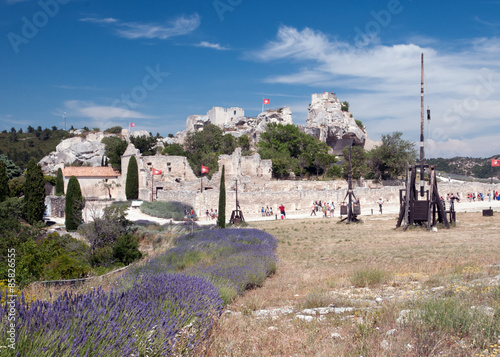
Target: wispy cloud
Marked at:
214, 46
94, 20
10, 2
487, 23
63, 86
179, 26
101, 116
382, 83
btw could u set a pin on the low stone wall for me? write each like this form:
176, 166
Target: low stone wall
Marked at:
297, 196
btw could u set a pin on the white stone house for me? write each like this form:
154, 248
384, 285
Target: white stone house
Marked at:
95, 182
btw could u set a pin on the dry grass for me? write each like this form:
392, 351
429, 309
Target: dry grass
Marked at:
320, 263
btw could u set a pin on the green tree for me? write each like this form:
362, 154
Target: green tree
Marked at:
115, 147
359, 162
221, 219
132, 180
145, 144
16, 186
59, 183
4, 183
174, 150
12, 169
74, 204
34, 193
345, 106
292, 150
388, 161
126, 249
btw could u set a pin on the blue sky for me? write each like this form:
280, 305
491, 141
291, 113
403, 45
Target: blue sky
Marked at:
108, 63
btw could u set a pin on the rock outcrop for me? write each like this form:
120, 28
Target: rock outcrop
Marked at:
329, 123
86, 150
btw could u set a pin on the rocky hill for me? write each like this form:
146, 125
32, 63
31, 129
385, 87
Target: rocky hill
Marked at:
330, 121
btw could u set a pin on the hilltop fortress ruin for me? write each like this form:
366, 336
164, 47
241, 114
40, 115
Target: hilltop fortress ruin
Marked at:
327, 120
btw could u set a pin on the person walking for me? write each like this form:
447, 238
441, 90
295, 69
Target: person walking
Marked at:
380, 202
282, 211
313, 209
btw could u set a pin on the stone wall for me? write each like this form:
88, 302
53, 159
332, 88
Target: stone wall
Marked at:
55, 206
297, 196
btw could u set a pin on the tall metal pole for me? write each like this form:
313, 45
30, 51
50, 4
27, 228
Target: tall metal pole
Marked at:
422, 156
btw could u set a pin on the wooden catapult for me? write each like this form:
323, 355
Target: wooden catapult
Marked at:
353, 208
237, 214
422, 210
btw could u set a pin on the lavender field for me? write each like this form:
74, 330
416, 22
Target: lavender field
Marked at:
166, 305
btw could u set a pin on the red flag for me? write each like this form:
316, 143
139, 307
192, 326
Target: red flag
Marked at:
495, 162
204, 169
132, 125
156, 172
266, 101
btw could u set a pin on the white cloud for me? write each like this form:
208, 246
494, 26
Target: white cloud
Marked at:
179, 26
382, 83
214, 46
108, 20
101, 113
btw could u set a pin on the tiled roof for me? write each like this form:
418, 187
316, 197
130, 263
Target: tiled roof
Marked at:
86, 171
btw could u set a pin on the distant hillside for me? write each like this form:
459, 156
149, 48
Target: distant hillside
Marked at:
20, 146
466, 166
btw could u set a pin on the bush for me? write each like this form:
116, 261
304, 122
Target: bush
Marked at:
126, 249
369, 278
168, 210
114, 130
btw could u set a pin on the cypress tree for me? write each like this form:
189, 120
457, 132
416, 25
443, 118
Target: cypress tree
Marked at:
74, 204
34, 192
4, 182
132, 181
221, 220
59, 183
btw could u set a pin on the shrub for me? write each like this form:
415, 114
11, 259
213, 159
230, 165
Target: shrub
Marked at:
126, 249
114, 130
369, 278
168, 210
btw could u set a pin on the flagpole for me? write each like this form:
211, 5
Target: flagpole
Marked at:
152, 186
262, 105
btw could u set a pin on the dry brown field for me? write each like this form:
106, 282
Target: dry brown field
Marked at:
405, 293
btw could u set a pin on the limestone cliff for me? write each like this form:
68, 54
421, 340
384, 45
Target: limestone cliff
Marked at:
85, 150
329, 123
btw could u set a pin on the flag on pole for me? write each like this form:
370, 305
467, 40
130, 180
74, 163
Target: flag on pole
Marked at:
204, 169
132, 125
495, 162
156, 172
266, 101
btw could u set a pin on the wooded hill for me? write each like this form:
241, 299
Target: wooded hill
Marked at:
466, 166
